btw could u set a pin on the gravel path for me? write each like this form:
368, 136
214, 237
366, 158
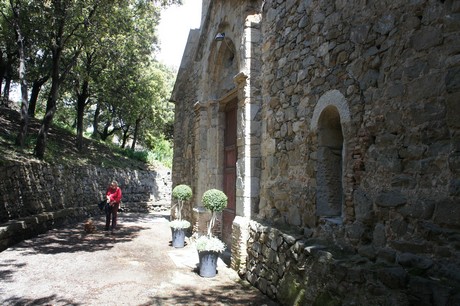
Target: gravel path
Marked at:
135, 265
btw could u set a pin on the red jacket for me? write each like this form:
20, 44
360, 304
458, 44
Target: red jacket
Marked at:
114, 194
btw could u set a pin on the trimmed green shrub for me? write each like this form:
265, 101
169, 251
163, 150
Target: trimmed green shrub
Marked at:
182, 192
214, 200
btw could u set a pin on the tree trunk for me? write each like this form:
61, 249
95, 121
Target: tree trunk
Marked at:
51, 102
136, 132
6, 91
95, 134
82, 100
50, 107
81, 103
105, 132
56, 53
22, 78
2, 70
36, 87
82, 97
8, 76
125, 136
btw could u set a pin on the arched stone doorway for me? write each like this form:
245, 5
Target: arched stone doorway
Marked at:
230, 103
219, 122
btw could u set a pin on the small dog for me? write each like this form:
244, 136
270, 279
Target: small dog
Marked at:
89, 226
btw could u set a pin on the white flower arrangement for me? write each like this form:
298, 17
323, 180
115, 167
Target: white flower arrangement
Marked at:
209, 243
178, 224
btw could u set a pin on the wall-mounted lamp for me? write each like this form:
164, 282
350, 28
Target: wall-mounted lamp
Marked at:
220, 36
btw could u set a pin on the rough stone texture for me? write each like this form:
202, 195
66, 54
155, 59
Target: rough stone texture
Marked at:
297, 270
37, 196
377, 83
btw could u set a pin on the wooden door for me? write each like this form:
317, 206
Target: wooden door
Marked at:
230, 157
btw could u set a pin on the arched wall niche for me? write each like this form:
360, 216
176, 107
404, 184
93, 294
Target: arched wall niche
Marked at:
330, 117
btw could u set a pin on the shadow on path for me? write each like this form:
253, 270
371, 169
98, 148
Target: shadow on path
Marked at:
237, 294
49, 300
74, 239
136, 265
7, 269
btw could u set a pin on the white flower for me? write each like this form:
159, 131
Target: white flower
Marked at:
205, 243
179, 224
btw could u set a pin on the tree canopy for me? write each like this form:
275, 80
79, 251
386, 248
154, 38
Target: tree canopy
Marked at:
90, 64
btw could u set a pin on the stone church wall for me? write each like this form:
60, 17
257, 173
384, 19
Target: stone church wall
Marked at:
359, 103
396, 65
184, 122
36, 196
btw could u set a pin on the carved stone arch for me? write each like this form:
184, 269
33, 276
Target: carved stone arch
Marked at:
223, 66
330, 118
331, 98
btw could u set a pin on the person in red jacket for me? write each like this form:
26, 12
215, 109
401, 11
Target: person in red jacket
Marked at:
113, 199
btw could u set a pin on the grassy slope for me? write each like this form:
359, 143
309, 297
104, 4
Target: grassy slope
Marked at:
60, 146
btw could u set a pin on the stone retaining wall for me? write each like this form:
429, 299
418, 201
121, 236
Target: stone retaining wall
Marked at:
36, 196
297, 270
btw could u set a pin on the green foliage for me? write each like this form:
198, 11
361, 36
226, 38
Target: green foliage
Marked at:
291, 290
145, 156
161, 148
205, 243
139, 155
182, 192
324, 299
109, 78
214, 200
64, 126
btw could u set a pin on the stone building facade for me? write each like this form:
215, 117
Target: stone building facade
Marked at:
334, 126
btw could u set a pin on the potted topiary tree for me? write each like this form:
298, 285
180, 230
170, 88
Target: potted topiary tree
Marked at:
208, 246
182, 193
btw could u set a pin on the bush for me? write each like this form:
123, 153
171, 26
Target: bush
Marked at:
214, 200
182, 192
145, 156
161, 149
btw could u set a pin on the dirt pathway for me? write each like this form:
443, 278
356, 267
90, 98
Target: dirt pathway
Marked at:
134, 266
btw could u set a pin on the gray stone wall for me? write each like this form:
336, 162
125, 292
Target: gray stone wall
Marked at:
395, 64
208, 79
185, 97
35, 196
354, 108
297, 270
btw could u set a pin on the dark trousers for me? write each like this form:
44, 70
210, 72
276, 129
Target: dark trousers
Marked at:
111, 213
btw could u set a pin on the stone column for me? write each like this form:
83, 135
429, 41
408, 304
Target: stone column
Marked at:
200, 179
208, 172
248, 142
